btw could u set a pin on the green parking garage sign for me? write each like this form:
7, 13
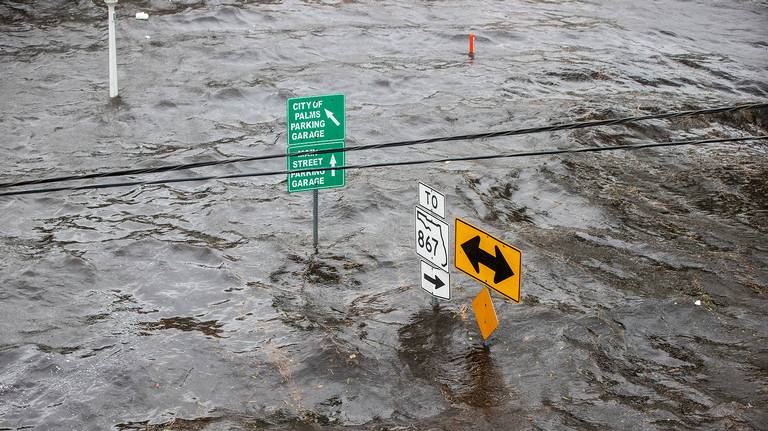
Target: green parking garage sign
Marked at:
315, 123
324, 173
315, 119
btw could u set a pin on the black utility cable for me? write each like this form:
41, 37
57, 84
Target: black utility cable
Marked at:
514, 132
386, 164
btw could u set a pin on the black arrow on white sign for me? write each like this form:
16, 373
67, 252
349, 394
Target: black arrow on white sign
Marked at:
436, 281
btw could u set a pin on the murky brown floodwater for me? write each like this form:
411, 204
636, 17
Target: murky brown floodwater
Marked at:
199, 306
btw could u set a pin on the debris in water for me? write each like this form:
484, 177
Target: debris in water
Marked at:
463, 311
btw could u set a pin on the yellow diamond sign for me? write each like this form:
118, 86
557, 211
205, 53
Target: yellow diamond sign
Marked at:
485, 314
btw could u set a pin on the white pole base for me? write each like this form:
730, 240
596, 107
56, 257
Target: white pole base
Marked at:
112, 49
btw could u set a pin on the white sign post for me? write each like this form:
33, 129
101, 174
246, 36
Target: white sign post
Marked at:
112, 49
431, 241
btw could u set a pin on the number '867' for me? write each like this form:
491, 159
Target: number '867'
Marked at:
427, 242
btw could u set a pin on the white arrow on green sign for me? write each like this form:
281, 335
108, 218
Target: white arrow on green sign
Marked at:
316, 119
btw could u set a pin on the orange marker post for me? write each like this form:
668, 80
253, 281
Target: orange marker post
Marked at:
472, 45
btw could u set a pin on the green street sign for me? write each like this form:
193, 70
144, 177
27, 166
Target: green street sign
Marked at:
315, 119
301, 158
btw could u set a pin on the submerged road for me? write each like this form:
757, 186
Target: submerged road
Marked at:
200, 306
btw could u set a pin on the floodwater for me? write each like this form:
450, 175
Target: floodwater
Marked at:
200, 306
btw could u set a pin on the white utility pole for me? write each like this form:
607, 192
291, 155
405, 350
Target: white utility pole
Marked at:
112, 50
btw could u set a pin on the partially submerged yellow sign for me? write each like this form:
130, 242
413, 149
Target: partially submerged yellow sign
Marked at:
485, 314
488, 260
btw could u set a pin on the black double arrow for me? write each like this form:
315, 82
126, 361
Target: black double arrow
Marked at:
497, 263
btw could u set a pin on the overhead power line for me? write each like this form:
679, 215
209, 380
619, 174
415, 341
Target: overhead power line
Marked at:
390, 164
513, 132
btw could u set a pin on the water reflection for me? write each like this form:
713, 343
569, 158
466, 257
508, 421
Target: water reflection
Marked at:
483, 383
435, 347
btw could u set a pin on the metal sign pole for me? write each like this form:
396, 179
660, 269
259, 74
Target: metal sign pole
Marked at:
314, 218
112, 50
